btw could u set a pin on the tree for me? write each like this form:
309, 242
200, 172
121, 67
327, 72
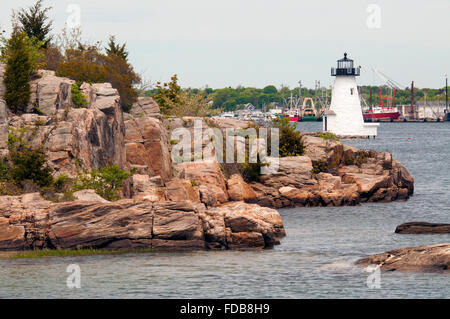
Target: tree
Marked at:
20, 54
117, 49
270, 89
190, 104
35, 23
173, 100
167, 94
87, 64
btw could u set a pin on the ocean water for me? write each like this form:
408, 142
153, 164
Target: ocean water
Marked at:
315, 260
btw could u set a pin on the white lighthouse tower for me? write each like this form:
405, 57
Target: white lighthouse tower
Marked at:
344, 117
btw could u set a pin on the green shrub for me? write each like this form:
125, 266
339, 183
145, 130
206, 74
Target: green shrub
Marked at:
27, 162
106, 182
361, 158
3, 170
8, 188
78, 99
251, 172
61, 183
319, 167
194, 183
291, 143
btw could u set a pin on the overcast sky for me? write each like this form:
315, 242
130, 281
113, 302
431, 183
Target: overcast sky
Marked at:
260, 42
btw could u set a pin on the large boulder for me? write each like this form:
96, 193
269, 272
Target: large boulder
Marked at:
146, 144
182, 189
294, 171
428, 258
86, 137
50, 93
239, 190
250, 218
148, 188
11, 237
145, 107
207, 173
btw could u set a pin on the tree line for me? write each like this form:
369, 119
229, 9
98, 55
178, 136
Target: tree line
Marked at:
232, 99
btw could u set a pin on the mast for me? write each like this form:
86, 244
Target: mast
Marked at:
446, 115
412, 99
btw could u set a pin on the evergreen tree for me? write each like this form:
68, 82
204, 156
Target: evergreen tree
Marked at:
35, 22
116, 48
19, 67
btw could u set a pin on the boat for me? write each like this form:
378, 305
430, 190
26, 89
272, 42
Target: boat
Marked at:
309, 112
293, 115
274, 113
387, 111
381, 114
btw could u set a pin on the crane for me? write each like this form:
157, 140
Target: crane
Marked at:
388, 81
393, 85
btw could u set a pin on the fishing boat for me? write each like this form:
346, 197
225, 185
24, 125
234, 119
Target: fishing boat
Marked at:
387, 111
309, 111
293, 115
381, 114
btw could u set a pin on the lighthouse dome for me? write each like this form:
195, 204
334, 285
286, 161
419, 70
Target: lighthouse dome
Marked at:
345, 67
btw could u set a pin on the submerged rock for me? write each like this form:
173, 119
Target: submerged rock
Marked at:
423, 228
428, 258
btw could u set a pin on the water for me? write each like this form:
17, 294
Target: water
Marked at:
315, 260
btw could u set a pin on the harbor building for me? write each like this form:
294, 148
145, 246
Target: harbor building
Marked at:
344, 117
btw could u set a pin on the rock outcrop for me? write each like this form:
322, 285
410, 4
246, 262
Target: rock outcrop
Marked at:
423, 228
74, 138
428, 258
29, 222
146, 145
207, 173
328, 174
333, 174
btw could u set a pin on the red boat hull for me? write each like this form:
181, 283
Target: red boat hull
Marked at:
295, 118
381, 116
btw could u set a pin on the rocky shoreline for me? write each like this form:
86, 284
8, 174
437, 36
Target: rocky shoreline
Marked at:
165, 205
30, 222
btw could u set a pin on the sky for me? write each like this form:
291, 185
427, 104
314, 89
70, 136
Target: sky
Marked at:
260, 42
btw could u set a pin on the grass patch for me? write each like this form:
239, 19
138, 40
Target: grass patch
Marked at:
73, 252
328, 136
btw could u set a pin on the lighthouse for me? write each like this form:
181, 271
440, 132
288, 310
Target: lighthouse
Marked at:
344, 117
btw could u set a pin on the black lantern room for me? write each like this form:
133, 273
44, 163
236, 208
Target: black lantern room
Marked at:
345, 67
